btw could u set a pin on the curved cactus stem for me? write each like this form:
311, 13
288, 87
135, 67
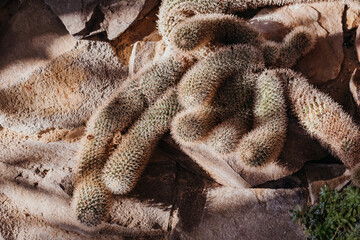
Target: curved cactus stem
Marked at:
200, 83
125, 165
265, 142
296, 44
202, 34
323, 118
91, 200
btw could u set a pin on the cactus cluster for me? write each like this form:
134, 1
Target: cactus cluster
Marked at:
220, 83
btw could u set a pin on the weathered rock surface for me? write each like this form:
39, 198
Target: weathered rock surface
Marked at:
38, 178
324, 20
33, 37
244, 214
334, 176
112, 17
63, 93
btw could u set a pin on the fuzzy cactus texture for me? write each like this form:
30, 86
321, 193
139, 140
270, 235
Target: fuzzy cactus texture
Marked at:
199, 85
264, 143
324, 119
202, 34
219, 83
127, 162
92, 200
120, 111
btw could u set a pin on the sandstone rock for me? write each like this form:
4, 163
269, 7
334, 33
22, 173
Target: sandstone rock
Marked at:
144, 52
63, 93
354, 86
333, 175
38, 178
34, 36
112, 17
16, 224
324, 20
352, 18
246, 214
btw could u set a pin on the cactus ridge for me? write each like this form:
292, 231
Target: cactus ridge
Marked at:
264, 143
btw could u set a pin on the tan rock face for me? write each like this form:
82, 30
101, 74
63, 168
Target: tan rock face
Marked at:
83, 19
246, 214
324, 20
33, 37
63, 93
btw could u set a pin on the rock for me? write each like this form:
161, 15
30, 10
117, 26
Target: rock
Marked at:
21, 225
144, 52
352, 18
334, 176
229, 171
38, 178
324, 20
143, 30
112, 17
63, 93
34, 36
354, 85
246, 214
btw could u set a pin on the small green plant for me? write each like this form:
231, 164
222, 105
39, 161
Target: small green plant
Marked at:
336, 216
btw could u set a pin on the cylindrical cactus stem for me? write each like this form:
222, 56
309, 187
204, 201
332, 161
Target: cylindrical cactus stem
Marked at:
126, 164
201, 32
91, 200
123, 107
235, 93
164, 74
225, 137
271, 52
173, 12
323, 118
265, 142
199, 85
296, 44
194, 124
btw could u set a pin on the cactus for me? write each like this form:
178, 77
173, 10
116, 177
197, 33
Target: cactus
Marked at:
264, 143
227, 99
323, 118
125, 105
296, 44
91, 199
202, 32
193, 124
199, 85
127, 162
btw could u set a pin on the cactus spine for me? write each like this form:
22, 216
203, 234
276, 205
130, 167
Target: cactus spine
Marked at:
127, 162
324, 119
116, 114
264, 143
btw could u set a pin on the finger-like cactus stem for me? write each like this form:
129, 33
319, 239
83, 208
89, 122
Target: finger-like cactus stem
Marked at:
265, 142
126, 164
324, 119
91, 200
200, 83
203, 32
296, 44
